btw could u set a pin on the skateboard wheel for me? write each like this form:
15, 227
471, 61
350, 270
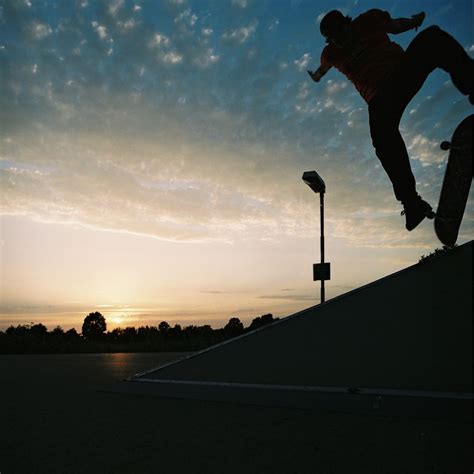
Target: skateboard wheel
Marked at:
445, 146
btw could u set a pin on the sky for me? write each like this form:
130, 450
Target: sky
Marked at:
151, 155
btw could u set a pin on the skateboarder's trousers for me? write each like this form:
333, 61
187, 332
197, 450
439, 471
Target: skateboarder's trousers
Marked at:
430, 49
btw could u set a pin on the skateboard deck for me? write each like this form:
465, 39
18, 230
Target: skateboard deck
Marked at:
456, 183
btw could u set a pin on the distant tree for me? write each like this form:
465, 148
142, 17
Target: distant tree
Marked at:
20, 330
58, 331
38, 329
205, 331
115, 335
164, 327
147, 332
267, 319
129, 334
190, 331
256, 323
71, 335
94, 326
261, 321
437, 253
175, 331
233, 328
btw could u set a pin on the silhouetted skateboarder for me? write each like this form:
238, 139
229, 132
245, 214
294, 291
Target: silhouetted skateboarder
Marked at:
388, 78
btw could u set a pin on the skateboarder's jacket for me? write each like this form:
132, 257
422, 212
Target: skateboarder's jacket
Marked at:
371, 58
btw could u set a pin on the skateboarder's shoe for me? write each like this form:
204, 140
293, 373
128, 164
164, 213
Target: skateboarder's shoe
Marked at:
415, 211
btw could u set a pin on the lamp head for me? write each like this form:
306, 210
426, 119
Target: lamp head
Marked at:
314, 181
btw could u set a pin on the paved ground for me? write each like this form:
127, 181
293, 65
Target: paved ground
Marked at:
53, 419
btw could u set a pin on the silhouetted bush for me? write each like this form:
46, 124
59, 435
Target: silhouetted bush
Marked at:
437, 253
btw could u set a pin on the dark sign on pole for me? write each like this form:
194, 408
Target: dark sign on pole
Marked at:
321, 271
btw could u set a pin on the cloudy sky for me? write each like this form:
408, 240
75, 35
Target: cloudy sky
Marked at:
151, 155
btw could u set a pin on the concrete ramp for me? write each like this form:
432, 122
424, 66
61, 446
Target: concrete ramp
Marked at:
408, 334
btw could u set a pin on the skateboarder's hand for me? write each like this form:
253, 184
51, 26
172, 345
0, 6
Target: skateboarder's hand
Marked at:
418, 19
315, 75
319, 73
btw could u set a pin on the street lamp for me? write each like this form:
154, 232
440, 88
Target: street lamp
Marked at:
321, 271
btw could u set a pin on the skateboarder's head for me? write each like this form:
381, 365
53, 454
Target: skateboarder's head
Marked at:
336, 27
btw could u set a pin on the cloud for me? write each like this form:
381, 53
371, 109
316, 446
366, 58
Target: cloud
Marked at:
242, 34
167, 55
334, 87
207, 58
303, 62
180, 136
274, 24
127, 25
115, 6
159, 40
425, 150
240, 3
186, 17
172, 58
100, 29
40, 30
202, 200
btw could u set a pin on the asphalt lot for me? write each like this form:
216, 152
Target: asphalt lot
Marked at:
55, 419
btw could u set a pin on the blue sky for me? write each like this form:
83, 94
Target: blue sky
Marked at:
184, 127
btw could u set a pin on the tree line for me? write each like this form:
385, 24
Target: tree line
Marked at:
35, 338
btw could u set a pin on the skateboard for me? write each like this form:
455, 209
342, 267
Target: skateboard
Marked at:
456, 183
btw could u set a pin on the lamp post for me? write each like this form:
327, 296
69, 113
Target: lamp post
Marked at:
321, 271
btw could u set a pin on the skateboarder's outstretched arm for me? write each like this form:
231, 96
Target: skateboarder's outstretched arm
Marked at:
319, 73
400, 25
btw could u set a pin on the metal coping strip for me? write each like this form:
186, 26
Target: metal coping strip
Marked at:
322, 389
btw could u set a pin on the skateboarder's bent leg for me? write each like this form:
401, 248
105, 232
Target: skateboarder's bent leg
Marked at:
434, 48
